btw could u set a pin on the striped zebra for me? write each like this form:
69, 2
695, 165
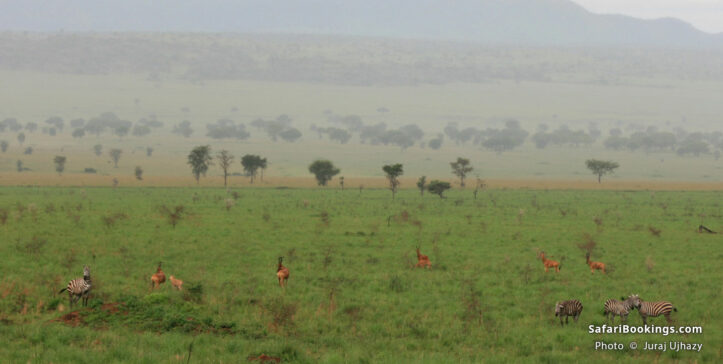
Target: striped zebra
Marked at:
620, 308
79, 287
653, 309
568, 308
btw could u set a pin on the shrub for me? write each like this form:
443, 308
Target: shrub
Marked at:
194, 293
282, 313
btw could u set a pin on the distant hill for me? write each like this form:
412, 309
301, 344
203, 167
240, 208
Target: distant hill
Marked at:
507, 22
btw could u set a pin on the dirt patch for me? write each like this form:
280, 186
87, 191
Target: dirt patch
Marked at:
71, 319
263, 358
113, 307
571, 183
75, 318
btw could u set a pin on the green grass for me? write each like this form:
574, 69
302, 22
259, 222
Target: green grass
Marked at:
352, 296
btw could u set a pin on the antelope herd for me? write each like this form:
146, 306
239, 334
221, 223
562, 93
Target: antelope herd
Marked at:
80, 288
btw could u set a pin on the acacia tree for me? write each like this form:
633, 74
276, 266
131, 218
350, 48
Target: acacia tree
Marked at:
438, 187
460, 168
263, 166
98, 149
4, 146
324, 171
59, 161
115, 154
200, 159
252, 163
421, 184
139, 173
393, 171
224, 161
600, 168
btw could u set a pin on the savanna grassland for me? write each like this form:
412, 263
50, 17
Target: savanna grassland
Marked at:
353, 295
203, 78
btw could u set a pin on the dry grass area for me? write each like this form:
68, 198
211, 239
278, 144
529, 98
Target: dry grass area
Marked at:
350, 183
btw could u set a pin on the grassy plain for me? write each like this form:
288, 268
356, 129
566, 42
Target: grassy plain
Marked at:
352, 295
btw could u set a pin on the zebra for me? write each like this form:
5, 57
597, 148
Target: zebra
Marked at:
653, 309
79, 287
568, 308
621, 308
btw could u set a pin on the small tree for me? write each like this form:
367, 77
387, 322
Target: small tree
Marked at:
59, 161
200, 159
341, 182
252, 163
438, 187
19, 165
4, 146
28, 151
480, 185
115, 154
324, 171
224, 161
600, 168
139, 173
21, 138
393, 171
149, 151
422, 184
460, 168
98, 150
263, 166
174, 214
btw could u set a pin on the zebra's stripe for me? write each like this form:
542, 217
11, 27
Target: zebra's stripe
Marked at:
654, 309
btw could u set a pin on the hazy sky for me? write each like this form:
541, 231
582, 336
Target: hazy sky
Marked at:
706, 15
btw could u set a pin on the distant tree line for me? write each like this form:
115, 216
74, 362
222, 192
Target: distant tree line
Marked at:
343, 129
652, 139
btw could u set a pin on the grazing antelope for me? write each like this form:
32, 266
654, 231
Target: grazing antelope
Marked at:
594, 265
549, 263
622, 308
568, 308
79, 287
653, 309
282, 273
422, 260
177, 283
158, 278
